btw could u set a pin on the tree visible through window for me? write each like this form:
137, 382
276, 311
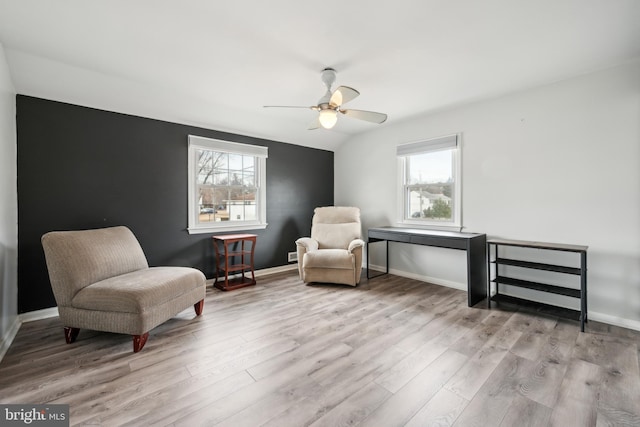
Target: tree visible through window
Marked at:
430, 185
227, 181
226, 187
430, 181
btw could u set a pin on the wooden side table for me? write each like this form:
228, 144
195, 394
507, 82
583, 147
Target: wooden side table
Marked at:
233, 259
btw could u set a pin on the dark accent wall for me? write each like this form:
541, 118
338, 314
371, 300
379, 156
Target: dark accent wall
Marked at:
81, 168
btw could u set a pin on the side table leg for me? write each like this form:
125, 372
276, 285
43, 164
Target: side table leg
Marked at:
226, 265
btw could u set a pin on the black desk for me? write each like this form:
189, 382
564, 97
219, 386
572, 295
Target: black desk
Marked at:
475, 244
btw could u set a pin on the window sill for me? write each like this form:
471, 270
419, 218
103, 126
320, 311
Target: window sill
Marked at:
431, 225
225, 228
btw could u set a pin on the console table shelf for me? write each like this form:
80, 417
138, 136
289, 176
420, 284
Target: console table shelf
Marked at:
502, 279
538, 266
575, 293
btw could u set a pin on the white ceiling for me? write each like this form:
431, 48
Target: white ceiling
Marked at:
216, 63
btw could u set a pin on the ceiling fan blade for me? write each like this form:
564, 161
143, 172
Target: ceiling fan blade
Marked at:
313, 107
369, 116
342, 95
315, 124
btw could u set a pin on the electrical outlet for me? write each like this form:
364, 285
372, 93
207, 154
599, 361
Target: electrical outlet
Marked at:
292, 257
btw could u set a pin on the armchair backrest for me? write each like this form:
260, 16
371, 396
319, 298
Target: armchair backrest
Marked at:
334, 227
76, 259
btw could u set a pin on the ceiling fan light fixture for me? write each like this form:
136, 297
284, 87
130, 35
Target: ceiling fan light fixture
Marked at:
332, 103
328, 118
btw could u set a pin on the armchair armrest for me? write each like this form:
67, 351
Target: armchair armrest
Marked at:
356, 243
304, 245
307, 243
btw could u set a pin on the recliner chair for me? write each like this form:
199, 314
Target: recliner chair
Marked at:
333, 253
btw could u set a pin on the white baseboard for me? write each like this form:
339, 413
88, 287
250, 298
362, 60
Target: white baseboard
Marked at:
614, 320
274, 270
265, 271
8, 337
422, 278
45, 313
30, 316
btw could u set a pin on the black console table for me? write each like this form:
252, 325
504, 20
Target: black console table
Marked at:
501, 278
473, 243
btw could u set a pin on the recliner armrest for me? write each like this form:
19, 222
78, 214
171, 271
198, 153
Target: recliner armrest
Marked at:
356, 243
304, 245
307, 243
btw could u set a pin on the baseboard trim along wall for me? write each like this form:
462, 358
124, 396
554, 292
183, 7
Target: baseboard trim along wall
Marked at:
7, 339
274, 270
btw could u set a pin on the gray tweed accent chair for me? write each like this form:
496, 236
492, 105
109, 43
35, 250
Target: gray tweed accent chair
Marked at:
333, 253
101, 281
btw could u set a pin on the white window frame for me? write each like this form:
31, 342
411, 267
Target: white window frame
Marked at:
259, 152
425, 146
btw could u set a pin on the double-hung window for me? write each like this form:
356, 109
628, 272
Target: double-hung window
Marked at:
227, 185
430, 182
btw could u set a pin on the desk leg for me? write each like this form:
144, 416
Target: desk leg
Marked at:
488, 275
217, 261
367, 260
226, 265
583, 290
369, 276
476, 270
387, 264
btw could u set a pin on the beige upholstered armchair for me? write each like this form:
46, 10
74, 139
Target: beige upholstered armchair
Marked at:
101, 281
333, 253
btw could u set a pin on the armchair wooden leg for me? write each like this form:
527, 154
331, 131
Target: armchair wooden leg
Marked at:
198, 307
139, 341
70, 334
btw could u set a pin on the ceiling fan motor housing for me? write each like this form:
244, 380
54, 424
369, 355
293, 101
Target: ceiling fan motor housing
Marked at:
328, 78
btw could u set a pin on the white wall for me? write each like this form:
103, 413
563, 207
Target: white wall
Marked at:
559, 163
8, 207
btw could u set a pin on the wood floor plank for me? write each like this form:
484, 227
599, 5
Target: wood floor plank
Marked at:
470, 343
472, 376
490, 404
440, 411
245, 397
578, 400
544, 381
525, 412
355, 408
356, 375
403, 405
170, 404
272, 404
499, 338
399, 375
535, 338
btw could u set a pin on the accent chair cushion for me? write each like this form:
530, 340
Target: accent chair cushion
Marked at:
329, 258
138, 291
334, 227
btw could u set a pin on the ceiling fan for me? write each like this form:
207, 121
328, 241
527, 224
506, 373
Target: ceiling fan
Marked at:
331, 104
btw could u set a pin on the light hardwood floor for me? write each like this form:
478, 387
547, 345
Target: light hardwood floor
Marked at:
391, 352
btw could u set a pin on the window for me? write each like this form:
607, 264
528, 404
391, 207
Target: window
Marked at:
226, 185
430, 173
